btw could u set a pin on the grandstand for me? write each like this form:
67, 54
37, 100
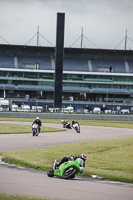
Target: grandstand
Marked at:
90, 76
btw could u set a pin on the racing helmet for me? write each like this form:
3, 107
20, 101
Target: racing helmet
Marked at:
37, 117
83, 156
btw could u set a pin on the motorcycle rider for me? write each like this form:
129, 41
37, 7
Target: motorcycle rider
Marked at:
73, 123
38, 122
66, 124
65, 159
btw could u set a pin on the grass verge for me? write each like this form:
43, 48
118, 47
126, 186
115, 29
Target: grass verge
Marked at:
12, 197
111, 159
119, 124
15, 128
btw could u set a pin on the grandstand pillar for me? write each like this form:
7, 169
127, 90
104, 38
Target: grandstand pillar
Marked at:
59, 54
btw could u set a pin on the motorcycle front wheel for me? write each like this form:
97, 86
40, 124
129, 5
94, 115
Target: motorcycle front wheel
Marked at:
34, 132
69, 173
50, 173
78, 129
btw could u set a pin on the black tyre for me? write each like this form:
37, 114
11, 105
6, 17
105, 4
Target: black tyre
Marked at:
73, 176
78, 129
34, 132
50, 173
69, 173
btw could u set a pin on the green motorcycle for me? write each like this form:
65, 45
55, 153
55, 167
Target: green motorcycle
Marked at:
67, 170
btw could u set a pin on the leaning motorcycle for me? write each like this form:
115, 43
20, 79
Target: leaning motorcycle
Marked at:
76, 127
66, 124
67, 170
35, 130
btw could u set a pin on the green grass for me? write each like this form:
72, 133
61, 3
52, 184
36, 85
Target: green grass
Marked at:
111, 159
15, 128
11, 197
119, 124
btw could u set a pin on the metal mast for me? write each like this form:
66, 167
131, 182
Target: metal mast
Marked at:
126, 40
82, 37
38, 35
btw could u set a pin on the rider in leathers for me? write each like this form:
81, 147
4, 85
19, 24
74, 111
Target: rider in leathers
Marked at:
38, 122
65, 159
73, 123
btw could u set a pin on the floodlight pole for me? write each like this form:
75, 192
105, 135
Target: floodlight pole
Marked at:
59, 58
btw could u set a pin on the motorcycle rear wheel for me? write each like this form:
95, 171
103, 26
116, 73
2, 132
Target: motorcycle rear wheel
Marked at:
69, 173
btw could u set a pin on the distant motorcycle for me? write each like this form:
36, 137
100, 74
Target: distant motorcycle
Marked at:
76, 126
35, 130
66, 124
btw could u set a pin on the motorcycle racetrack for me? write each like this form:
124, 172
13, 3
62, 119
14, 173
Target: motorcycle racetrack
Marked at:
33, 183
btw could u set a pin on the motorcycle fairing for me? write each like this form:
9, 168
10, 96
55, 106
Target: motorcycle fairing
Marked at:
78, 164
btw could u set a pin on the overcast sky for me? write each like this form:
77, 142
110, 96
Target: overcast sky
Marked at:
104, 22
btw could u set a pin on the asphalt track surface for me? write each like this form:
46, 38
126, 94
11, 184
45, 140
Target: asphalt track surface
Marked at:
33, 183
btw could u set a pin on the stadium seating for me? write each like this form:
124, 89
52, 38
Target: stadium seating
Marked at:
118, 66
76, 89
7, 86
6, 61
35, 87
130, 66
131, 91
34, 62
75, 64
70, 64
110, 90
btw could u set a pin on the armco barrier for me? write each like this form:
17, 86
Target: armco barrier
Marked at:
113, 117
